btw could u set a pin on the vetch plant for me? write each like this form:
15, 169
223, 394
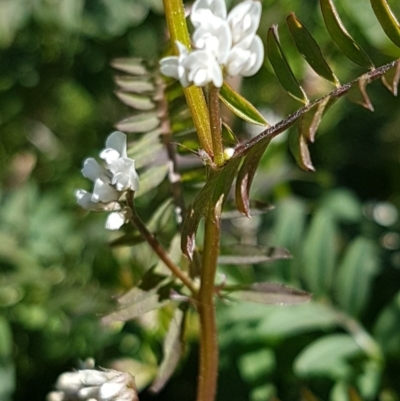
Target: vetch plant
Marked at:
222, 45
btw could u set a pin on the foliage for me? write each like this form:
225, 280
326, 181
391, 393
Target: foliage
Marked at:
339, 225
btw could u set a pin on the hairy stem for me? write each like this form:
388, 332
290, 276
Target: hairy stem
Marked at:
157, 247
208, 369
215, 119
175, 16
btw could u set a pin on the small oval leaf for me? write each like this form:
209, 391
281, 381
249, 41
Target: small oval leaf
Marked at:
309, 49
341, 37
143, 122
152, 178
391, 78
132, 84
387, 20
282, 68
241, 106
135, 101
244, 254
358, 93
269, 294
130, 65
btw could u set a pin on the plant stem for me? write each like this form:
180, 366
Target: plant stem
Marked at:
215, 120
157, 247
175, 16
208, 369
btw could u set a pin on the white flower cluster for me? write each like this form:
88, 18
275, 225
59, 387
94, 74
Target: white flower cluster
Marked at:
94, 385
223, 44
110, 182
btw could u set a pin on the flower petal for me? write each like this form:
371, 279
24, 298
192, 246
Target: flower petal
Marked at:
216, 7
256, 56
117, 141
93, 170
104, 192
115, 220
203, 68
244, 20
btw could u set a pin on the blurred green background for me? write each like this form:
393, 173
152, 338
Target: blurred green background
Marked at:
341, 223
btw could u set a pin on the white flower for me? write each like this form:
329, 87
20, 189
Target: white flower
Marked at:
95, 385
245, 61
118, 175
244, 20
215, 36
221, 42
198, 67
202, 9
172, 66
122, 168
202, 68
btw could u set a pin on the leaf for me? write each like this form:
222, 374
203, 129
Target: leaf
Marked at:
282, 68
268, 293
135, 101
244, 254
6, 345
135, 85
256, 208
309, 122
218, 185
319, 253
246, 175
391, 78
152, 178
127, 239
309, 49
387, 20
327, 357
386, 330
343, 205
299, 149
241, 106
228, 136
355, 274
341, 37
172, 350
358, 93
135, 303
130, 65
143, 122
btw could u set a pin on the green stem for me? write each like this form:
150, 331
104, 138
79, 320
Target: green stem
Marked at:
215, 119
175, 16
156, 246
208, 369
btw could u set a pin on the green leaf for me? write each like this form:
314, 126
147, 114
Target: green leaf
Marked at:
343, 205
255, 365
386, 330
327, 357
6, 345
285, 322
341, 37
282, 68
309, 49
218, 185
268, 293
299, 148
152, 178
137, 102
241, 106
387, 20
135, 303
245, 254
354, 278
143, 122
246, 175
319, 253
172, 350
